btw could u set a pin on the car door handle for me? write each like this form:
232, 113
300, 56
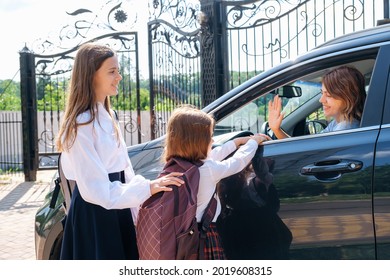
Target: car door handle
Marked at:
331, 169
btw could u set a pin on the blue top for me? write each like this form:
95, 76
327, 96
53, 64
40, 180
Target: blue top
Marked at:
335, 126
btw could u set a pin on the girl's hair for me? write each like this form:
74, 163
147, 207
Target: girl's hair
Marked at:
189, 134
81, 98
347, 83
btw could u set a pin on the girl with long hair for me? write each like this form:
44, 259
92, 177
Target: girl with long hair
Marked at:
99, 224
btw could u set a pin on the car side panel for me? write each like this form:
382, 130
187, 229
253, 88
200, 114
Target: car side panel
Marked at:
381, 180
382, 194
48, 229
330, 217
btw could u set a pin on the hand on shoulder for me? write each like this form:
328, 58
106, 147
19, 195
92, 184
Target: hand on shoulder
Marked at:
160, 184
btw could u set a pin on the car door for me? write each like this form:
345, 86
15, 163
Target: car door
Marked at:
381, 185
325, 184
324, 181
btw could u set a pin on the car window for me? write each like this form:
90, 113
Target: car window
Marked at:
300, 106
309, 91
245, 118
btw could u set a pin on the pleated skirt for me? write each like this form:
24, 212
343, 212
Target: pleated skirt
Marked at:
92, 232
213, 248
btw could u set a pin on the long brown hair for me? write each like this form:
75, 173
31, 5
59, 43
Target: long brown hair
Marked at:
189, 134
347, 83
81, 97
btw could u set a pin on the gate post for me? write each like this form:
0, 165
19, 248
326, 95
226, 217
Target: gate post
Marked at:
29, 114
214, 52
386, 10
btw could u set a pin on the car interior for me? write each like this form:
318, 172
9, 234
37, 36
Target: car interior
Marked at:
303, 113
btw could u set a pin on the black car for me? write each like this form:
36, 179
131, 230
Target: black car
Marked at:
333, 187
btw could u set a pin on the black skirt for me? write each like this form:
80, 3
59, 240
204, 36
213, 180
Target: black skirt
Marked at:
94, 233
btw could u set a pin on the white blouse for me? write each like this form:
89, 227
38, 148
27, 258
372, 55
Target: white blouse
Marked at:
215, 168
96, 153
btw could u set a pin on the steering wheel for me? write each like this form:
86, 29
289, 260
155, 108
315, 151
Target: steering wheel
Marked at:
265, 129
243, 133
230, 136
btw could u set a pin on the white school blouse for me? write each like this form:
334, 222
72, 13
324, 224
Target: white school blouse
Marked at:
96, 153
215, 168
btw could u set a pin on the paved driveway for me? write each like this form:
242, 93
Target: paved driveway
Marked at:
19, 202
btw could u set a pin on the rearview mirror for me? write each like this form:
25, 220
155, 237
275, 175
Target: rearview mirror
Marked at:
289, 91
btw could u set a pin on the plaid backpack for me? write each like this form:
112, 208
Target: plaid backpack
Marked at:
166, 226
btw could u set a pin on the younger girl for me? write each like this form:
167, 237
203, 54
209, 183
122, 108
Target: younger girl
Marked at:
99, 224
189, 136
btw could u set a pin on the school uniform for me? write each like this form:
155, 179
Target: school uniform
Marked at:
211, 172
100, 224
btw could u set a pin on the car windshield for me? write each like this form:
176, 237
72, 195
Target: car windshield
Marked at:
309, 91
253, 115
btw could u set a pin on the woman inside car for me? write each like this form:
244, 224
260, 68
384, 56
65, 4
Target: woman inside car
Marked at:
343, 96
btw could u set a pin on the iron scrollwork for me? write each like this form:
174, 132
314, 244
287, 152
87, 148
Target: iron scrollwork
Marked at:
56, 54
174, 31
175, 24
354, 12
267, 14
113, 17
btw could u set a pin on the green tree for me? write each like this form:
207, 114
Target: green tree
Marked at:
53, 96
128, 101
10, 96
237, 78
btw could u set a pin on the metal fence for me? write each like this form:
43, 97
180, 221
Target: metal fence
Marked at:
11, 157
202, 49
261, 34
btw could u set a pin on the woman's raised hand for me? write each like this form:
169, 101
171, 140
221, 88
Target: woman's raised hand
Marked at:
275, 115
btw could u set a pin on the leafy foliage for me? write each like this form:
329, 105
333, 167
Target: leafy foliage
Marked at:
10, 96
128, 101
51, 93
53, 97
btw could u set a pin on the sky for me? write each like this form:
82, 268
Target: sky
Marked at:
24, 21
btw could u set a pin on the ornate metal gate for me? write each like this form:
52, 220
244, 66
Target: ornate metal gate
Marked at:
203, 48
174, 59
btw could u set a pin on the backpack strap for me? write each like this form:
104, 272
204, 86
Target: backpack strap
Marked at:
56, 191
63, 184
209, 214
57, 185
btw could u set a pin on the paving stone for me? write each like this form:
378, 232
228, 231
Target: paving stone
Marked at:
19, 202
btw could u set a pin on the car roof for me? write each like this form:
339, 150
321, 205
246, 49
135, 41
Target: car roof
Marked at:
363, 37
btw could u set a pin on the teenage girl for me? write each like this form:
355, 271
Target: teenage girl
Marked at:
99, 224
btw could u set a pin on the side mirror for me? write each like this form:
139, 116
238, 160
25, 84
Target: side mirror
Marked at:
289, 91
